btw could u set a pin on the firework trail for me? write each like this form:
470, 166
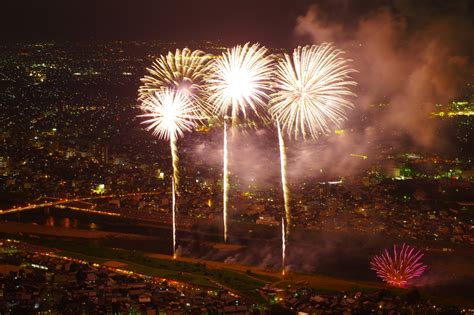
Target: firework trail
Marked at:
284, 184
175, 162
311, 90
283, 246
238, 82
225, 180
169, 113
396, 270
174, 186
173, 214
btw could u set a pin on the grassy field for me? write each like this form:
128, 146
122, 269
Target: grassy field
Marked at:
197, 274
145, 269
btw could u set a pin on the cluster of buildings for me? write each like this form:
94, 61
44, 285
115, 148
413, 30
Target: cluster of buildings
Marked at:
391, 207
35, 282
305, 301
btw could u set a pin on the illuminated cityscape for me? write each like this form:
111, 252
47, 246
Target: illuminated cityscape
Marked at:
370, 212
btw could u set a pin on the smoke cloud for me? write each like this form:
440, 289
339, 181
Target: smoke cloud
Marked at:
411, 68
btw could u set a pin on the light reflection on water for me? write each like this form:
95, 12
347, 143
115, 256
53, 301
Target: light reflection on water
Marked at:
66, 222
50, 221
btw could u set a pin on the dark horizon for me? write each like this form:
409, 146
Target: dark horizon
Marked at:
270, 22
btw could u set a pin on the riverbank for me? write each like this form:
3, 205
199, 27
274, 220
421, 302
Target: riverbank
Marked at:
58, 231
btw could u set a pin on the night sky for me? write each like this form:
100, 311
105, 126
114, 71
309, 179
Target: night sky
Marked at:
271, 22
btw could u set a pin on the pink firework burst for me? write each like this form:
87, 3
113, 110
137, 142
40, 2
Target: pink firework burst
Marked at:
397, 268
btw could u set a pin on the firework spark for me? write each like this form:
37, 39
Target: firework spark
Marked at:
169, 113
184, 70
238, 84
311, 90
396, 270
239, 81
